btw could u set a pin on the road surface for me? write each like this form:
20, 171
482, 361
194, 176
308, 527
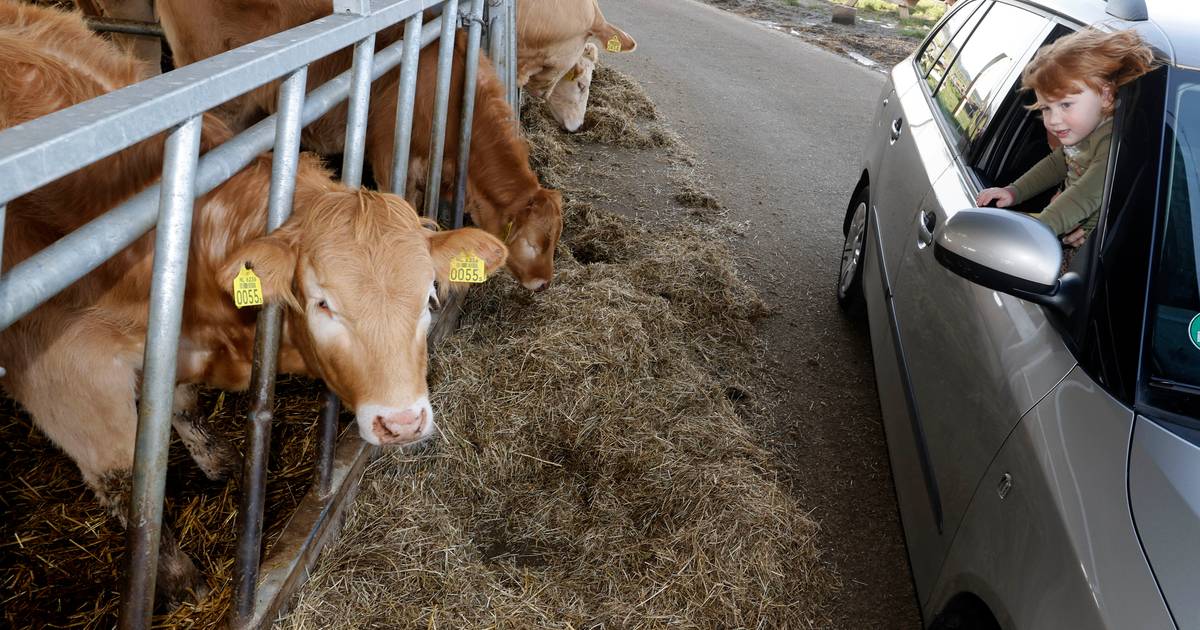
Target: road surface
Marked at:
777, 125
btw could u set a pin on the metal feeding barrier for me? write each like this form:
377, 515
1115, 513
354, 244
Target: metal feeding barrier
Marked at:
43, 150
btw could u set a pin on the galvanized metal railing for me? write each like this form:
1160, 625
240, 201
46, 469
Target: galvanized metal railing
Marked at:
43, 150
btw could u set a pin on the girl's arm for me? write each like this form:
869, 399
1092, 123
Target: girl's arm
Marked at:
1080, 202
1047, 173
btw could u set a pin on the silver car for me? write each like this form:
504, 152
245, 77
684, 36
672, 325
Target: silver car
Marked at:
1043, 427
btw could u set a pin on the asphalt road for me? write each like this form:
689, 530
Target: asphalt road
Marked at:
778, 125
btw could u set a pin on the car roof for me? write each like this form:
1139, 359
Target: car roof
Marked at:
1173, 27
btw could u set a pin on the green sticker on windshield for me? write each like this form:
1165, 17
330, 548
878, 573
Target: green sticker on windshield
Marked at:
1194, 331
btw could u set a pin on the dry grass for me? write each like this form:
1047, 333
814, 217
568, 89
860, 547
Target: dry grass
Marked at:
596, 466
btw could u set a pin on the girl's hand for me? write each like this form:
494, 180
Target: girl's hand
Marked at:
1004, 197
1075, 238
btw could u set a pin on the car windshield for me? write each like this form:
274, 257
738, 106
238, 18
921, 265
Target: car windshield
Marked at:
1174, 353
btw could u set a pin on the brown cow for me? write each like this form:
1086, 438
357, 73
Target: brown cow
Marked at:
551, 35
356, 271
504, 191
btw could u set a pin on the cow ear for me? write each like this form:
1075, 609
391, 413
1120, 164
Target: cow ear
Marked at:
273, 259
609, 37
444, 246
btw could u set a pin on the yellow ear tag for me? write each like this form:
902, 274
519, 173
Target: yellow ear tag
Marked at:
468, 268
507, 232
247, 289
570, 75
614, 44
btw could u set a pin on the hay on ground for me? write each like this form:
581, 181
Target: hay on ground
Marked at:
595, 467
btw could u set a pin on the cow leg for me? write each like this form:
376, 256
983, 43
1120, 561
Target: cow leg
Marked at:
80, 388
215, 456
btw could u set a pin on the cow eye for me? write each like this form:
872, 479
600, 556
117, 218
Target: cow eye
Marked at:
324, 306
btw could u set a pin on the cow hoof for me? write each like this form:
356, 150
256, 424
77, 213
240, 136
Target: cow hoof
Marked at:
179, 581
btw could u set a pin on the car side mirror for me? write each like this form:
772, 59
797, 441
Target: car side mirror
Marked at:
1009, 252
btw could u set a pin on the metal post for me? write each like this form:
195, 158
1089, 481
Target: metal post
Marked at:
514, 91
404, 103
433, 182
356, 119
3, 220
498, 36
327, 442
266, 356
158, 381
470, 70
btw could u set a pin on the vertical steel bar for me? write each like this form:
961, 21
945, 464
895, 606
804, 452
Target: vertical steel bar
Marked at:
266, 355
327, 442
409, 65
514, 91
433, 181
3, 220
172, 237
356, 119
498, 36
470, 70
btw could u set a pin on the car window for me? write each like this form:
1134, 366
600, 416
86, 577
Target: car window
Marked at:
1174, 343
984, 68
950, 27
943, 48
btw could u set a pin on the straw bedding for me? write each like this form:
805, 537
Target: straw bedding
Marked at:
597, 465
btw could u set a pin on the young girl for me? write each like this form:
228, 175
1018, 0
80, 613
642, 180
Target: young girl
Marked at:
1075, 79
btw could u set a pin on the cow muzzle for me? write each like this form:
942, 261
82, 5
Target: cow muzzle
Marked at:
394, 426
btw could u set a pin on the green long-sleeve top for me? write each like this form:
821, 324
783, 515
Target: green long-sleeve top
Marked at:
1083, 166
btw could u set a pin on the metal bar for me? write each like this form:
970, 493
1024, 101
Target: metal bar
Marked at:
514, 90
470, 70
46, 273
316, 521
498, 36
127, 27
158, 382
3, 220
284, 165
437, 146
356, 119
330, 408
404, 105
38, 152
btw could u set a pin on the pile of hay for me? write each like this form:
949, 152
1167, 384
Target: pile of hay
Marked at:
595, 466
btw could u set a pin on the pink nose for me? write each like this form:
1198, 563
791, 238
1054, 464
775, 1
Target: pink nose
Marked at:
400, 426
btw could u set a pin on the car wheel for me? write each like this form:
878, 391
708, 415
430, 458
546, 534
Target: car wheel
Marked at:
849, 287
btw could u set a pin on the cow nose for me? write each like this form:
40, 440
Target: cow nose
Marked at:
537, 285
391, 425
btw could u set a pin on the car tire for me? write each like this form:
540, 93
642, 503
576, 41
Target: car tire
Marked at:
850, 295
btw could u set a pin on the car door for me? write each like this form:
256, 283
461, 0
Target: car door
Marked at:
913, 154
976, 359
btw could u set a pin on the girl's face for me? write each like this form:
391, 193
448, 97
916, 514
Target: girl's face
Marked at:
1074, 116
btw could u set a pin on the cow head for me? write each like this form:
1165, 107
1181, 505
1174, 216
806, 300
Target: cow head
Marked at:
356, 272
569, 97
531, 234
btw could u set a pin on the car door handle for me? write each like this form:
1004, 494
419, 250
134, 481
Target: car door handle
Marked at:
925, 227
897, 126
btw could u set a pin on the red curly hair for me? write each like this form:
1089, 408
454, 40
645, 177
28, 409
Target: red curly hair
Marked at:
1094, 58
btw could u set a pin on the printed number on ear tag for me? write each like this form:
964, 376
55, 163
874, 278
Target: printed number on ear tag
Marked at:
468, 268
247, 289
614, 44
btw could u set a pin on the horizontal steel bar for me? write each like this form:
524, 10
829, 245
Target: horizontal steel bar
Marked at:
46, 273
128, 27
40, 151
